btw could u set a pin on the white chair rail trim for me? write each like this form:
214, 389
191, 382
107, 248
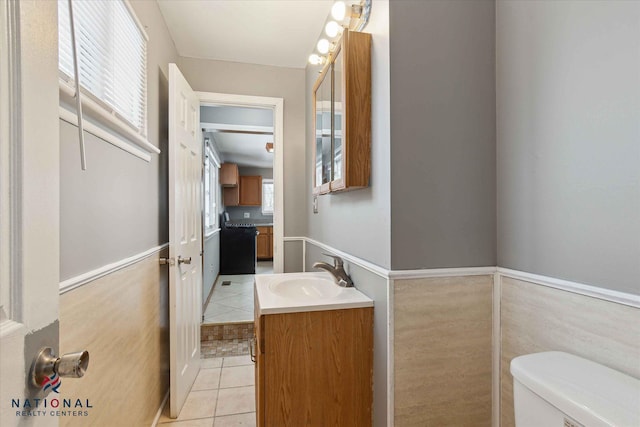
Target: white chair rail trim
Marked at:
90, 276
605, 294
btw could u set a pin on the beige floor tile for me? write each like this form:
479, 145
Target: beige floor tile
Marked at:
202, 422
199, 404
237, 361
207, 379
248, 420
213, 362
238, 400
237, 376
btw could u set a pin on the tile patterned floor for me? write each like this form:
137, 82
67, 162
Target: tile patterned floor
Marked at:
223, 395
234, 303
222, 348
227, 339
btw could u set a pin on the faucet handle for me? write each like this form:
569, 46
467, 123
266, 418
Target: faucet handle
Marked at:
337, 261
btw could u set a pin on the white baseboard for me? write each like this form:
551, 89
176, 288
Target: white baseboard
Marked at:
159, 413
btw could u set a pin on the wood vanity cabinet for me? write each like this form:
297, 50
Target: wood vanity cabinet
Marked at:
314, 368
250, 191
265, 242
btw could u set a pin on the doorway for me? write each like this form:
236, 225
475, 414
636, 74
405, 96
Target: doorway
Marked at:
242, 215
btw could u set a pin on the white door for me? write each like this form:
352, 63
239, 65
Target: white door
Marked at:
185, 277
29, 200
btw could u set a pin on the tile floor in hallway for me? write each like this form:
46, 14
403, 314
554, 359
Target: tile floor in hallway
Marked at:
234, 303
223, 395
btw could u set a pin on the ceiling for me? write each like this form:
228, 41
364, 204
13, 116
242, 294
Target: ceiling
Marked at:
239, 134
270, 32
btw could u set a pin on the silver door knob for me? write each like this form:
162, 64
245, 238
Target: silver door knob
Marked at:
184, 260
46, 364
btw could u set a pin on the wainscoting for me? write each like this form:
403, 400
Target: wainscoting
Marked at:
442, 347
122, 319
537, 318
444, 338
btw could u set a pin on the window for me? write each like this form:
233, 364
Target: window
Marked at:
267, 197
210, 191
112, 57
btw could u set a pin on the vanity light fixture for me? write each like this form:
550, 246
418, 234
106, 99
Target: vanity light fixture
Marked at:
351, 14
315, 59
323, 46
339, 10
269, 147
332, 29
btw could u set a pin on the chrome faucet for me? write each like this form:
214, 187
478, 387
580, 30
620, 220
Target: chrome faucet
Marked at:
337, 270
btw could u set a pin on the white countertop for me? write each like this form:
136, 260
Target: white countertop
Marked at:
268, 302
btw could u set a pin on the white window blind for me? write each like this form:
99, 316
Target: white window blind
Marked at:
112, 56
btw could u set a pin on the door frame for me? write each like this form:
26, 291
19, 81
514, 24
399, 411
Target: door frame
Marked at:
29, 240
277, 105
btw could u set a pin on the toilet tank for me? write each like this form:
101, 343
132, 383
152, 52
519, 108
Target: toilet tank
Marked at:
560, 389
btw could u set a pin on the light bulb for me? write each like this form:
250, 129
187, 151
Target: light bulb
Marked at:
323, 46
332, 29
315, 59
339, 10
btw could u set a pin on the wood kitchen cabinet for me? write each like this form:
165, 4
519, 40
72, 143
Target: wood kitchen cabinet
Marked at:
231, 196
250, 191
314, 368
229, 175
265, 242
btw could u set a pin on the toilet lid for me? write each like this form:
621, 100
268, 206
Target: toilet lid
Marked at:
588, 392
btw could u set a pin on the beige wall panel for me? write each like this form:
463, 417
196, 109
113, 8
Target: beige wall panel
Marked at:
442, 348
537, 318
122, 320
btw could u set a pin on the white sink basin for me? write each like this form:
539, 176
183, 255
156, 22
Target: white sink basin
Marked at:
305, 288
298, 292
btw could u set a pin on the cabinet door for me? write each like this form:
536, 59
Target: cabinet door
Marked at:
231, 196
264, 240
229, 175
250, 191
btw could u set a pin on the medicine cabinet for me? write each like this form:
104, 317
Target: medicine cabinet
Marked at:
342, 115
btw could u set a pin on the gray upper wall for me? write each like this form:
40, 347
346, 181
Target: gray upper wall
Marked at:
443, 195
357, 222
568, 147
261, 80
118, 207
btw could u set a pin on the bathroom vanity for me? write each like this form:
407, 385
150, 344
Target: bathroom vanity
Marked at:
313, 351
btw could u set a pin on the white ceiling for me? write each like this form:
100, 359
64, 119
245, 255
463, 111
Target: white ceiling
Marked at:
244, 149
238, 133
269, 32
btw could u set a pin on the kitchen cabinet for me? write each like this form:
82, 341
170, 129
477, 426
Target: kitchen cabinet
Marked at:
250, 191
229, 175
231, 196
265, 242
314, 368
343, 138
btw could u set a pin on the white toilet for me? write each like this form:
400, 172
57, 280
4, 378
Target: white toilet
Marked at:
559, 389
